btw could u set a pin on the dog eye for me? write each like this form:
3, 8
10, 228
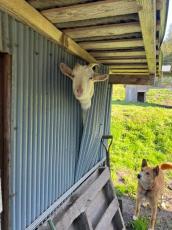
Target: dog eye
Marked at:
147, 173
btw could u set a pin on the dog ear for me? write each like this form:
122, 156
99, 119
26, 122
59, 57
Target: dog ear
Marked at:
144, 163
156, 171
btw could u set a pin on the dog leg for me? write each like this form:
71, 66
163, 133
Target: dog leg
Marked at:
153, 216
162, 204
137, 210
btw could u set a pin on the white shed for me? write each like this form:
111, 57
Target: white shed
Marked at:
136, 93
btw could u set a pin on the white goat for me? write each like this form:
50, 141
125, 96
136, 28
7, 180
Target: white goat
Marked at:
83, 78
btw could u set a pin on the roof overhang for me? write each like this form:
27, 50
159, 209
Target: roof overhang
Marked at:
125, 35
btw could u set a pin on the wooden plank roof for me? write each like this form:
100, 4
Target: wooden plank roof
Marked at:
124, 34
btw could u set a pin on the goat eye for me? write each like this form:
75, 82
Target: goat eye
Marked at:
147, 173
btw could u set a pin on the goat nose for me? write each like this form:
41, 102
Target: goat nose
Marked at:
79, 91
139, 176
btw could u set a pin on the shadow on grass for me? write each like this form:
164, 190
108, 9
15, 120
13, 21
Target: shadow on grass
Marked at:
146, 104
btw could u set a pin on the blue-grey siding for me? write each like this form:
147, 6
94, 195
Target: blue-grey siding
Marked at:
46, 131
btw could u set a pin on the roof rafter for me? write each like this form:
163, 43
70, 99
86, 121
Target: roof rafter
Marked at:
104, 54
131, 79
147, 17
26, 13
111, 45
86, 11
103, 30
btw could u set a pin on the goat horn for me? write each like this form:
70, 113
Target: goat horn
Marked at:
91, 65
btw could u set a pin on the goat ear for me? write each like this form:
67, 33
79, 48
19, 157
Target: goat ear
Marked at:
66, 70
156, 171
144, 163
102, 77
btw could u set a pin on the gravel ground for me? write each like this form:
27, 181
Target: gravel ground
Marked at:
164, 216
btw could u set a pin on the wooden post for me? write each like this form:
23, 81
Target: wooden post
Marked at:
5, 124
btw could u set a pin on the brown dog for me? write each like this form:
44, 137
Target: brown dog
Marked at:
150, 187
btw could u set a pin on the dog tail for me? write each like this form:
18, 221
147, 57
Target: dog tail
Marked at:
165, 166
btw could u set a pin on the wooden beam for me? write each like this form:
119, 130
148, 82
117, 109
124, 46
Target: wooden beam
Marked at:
103, 30
86, 11
117, 54
147, 17
111, 45
85, 221
112, 38
128, 66
131, 74
111, 71
81, 204
108, 215
5, 135
132, 79
27, 14
45, 4
163, 20
131, 60
99, 21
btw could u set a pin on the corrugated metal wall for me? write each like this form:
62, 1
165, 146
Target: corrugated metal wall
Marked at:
46, 130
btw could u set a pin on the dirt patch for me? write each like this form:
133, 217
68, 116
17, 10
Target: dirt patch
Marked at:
164, 216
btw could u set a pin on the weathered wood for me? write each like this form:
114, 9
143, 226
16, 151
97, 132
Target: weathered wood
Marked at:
27, 14
117, 54
109, 191
136, 35
99, 21
85, 222
129, 60
163, 20
147, 17
118, 220
131, 74
103, 30
108, 215
86, 11
131, 79
111, 71
83, 201
46, 4
128, 66
97, 207
111, 45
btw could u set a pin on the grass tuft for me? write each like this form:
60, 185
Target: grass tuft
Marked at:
139, 224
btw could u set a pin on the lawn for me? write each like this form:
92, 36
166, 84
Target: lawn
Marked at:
142, 130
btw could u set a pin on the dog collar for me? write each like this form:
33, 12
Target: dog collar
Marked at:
147, 191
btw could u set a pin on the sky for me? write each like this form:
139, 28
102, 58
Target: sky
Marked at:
169, 20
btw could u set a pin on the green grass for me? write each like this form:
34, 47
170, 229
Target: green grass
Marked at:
140, 131
153, 96
160, 96
140, 224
